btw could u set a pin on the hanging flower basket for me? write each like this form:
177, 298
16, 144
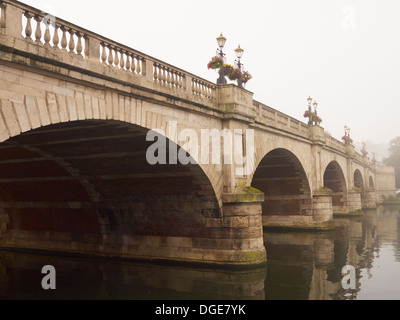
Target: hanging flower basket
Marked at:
347, 140
215, 63
316, 119
313, 117
246, 77
228, 70
236, 75
308, 114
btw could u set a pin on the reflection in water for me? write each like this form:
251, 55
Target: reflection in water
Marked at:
309, 266
306, 266
20, 278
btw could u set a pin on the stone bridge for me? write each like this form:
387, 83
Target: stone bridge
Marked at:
76, 109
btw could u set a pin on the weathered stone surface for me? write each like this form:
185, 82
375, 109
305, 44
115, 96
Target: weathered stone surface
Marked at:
83, 185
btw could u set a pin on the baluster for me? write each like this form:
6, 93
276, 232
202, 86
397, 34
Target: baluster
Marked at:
79, 47
133, 65
173, 76
47, 36
38, 33
169, 81
138, 66
135, 61
110, 55
160, 74
28, 28
173, 82
179, 80
71, 45
209, 93
183, 81
128, 62
116, 58
56, 38
155, 77
193, 86
122, 62
64, 42
164, 75
103, 53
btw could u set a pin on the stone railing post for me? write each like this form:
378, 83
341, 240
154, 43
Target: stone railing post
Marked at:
12, 20
236, 103
317, 135
188, 84
92, 48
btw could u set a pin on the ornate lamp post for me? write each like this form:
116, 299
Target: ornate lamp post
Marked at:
315, 107
221, 44
239, 54
308, 114
347, 140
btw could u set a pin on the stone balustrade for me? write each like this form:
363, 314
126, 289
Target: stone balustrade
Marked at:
59, 35
271, 117
122, 58
64, 37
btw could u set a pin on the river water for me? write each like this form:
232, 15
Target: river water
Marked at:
301, 266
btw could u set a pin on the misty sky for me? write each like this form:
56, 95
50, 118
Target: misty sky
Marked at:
345, 54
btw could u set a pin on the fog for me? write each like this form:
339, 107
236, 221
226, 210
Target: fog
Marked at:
344, 54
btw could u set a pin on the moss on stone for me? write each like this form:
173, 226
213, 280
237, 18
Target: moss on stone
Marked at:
324, 191
245, 194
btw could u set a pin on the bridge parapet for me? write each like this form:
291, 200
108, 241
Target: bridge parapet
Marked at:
273, 118
335, 144
56, 39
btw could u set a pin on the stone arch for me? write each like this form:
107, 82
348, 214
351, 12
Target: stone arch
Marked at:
72, 102
85, 186
358, 180
284, 182
371, 183
334, 179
